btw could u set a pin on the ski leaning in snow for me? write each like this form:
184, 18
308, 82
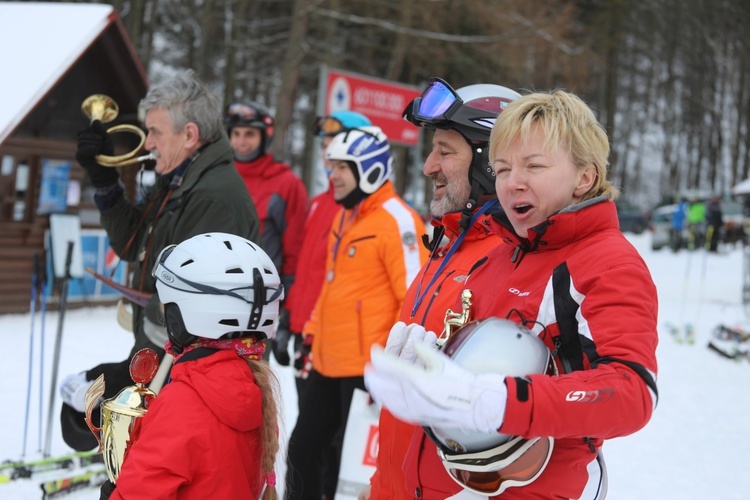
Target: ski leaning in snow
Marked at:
730, 342
10, 471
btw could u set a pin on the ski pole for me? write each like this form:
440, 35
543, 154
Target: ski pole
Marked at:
690, 330
32, 308
691, 244
43, 282
58, 340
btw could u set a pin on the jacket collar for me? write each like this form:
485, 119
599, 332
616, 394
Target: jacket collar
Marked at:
562, 228
214, 154
263, 168
374, 201
450, 223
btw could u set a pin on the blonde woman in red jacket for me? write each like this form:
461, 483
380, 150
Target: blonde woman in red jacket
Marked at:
565, 272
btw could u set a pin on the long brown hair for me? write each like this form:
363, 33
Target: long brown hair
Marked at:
266, 380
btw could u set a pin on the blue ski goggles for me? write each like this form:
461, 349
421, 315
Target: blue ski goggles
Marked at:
436, 106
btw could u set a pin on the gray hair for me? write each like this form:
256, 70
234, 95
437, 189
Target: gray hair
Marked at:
187, 100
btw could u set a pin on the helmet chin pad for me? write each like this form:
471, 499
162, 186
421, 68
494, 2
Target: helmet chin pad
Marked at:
176, 328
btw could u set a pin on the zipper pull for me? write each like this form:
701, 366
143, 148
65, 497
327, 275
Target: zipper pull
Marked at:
515, 254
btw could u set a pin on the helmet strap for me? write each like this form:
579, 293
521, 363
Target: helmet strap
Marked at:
259, 299
481, 175
468, 210
481, 180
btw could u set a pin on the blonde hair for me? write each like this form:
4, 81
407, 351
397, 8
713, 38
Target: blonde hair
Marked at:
266, 380
568, 123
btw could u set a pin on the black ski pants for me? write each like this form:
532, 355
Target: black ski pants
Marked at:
323, 411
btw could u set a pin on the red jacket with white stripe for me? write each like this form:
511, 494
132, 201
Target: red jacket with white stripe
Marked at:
374, 252
576, 273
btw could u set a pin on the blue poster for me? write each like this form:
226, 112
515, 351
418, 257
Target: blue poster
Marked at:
53, 194
97, 255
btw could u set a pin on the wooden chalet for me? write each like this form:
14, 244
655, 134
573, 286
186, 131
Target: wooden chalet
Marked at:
53, 57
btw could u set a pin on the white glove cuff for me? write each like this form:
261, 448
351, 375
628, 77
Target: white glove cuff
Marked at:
491, 400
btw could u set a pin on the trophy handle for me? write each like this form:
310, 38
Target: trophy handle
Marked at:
91, 401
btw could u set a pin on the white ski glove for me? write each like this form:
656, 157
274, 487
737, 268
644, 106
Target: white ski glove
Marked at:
440, 393
73, 390
402, 338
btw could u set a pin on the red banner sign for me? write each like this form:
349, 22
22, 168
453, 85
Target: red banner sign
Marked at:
381, 101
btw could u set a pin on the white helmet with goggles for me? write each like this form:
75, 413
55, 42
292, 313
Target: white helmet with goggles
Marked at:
471, 111
489, 463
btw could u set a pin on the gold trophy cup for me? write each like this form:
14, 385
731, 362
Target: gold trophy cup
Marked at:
121, 415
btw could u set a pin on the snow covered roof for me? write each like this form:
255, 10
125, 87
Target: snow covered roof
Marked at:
39, 43
742, 188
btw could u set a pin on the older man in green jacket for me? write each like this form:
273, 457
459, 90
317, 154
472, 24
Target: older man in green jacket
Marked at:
198, 190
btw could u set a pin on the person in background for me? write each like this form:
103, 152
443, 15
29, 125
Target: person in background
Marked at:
565, 272
197, 190
311, 261
279, 195
212, 432
463, 200
374, 252
679, 220
714, 223
696, 221
311, 265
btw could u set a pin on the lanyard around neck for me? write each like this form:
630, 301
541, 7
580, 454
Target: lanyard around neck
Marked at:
339, 234
456, 243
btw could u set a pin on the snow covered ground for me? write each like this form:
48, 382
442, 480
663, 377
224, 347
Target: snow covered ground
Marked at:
695, 447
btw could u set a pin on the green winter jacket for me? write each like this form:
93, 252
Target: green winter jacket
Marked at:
212, 197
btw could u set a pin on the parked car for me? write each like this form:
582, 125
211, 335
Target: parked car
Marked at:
631, 218
660, 226
734, 218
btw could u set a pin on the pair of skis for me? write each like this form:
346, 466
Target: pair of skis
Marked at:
58, 475
29, 469
684, 335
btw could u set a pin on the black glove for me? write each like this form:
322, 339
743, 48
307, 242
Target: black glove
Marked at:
108, 487
280, 343
94, 140
302, 356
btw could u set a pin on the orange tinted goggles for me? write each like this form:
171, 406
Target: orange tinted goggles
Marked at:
515, 463
327, 126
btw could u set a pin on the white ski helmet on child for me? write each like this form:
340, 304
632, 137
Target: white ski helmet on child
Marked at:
224, 286
368, 150
488, 463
